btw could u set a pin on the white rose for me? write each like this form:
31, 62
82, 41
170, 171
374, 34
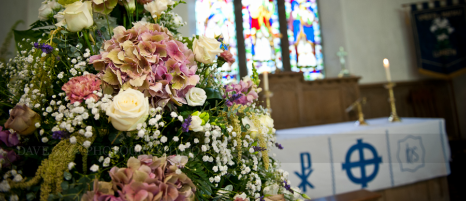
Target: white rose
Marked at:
267, 121
196, 124
46, 9
157, 7
77, 16
252, 128
272, 189
206, 49
128, 109
196, 97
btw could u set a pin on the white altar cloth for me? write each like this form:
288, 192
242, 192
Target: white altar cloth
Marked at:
326, 160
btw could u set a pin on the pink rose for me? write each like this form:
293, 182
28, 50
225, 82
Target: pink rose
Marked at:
228, 57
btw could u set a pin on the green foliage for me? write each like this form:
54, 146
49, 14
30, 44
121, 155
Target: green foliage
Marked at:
41, 24
255, 75
196, 171
213, 93
74, 190
21, 38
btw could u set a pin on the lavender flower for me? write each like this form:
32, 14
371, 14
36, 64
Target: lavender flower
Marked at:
279, 146
44, 47
257, 148
58, 135
233, 99
186, 124
47, 48
288, 187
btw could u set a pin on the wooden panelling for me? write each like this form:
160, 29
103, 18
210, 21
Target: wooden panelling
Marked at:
426, 98
430, 190
297, 103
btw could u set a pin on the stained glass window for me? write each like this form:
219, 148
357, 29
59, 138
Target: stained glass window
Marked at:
304, 38
214, 18
261, 35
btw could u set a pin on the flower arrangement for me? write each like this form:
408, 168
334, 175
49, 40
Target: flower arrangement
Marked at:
105, 100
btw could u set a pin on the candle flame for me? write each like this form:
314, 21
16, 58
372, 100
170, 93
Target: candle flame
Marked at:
386, 63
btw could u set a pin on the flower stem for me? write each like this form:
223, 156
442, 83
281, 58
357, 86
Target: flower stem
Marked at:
86, 38
108, 26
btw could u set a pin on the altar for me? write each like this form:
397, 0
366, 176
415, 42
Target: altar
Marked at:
337, 158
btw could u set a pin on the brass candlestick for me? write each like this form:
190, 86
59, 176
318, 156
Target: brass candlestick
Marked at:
268, 94
357, 104
394, 116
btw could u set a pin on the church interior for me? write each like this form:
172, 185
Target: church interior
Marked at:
385, 78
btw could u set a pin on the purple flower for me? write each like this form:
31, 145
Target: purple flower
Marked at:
279, 146
10, 139
234, 99
256, 148
46, 48
186, 124
287, 187
60, 135
9, 158
242, 93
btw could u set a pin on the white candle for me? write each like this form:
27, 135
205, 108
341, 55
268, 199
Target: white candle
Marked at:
386, 65
266, 80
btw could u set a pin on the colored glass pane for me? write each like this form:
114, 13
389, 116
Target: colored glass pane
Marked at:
261, 35
214, 18
304, 37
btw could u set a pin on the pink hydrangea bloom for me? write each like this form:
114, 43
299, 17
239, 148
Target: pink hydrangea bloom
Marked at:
82, 88
146, 178
228, 57
149, 59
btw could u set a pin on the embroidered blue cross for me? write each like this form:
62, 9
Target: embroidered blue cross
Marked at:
306, 171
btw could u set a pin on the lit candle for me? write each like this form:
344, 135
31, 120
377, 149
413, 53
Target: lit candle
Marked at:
266, 80
386, 65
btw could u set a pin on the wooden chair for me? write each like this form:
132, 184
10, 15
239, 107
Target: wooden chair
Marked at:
360, 195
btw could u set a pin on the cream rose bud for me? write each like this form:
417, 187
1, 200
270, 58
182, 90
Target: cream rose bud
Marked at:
206, 49
196, 97
47, 8
77, 16
128, 109
196, 124
156, 8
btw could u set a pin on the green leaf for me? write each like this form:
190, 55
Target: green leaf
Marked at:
213, 93
30, 196
116, 137
51, 197
67, 175
28, 34
65, 185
